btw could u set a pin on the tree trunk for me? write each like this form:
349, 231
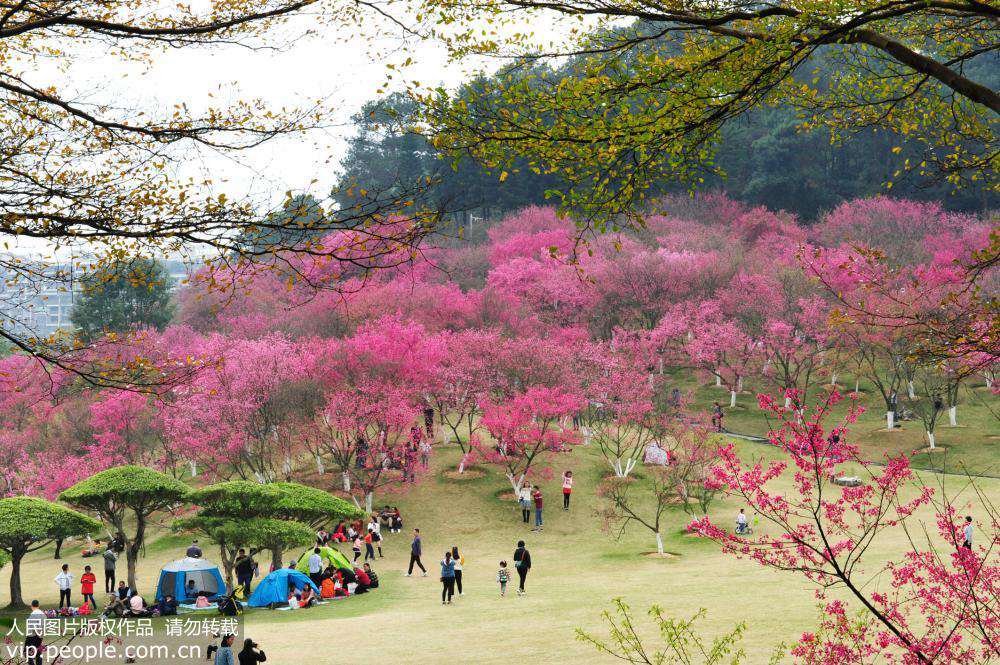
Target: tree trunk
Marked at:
659, 365
718, 381
953, 416
346, 478
659, 543
833, 379
739, 384
194, 468
319, 465
276, 559
989, 382
461, 465
16, 602
890, 420
133, 548
788, 401
732, 399
58, 554
910, 391
369, 500
930, 439
857, 385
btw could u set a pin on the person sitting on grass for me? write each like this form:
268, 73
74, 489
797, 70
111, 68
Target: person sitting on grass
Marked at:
167, 606
339, 532
372, 577
308, 597
364, 582
137, 606
116, 606
124, 593
328, 587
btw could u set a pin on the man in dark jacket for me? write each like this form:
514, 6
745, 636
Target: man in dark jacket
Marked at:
244, 567
415, 552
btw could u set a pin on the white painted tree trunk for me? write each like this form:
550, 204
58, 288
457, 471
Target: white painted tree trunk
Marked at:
651, 380
739, 384
953, 416
833, 379
194, 468
588, 435
659, 543
461, 465
910, 391
319, 465
516, 484
718, 381
369, 500
346, 480
732, 399
890, 420
989, 382
260, 477
287, 466
788, 401
857, 385
930, 439
659, 365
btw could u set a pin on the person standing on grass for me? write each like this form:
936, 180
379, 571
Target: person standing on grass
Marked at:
110, 562
316, 566
356, 547
522, 562
87, 582
503, 577
459, 563
34, 628
376, 530
524, 499
245, 566
567, 488
64, 580
416, 550
447, 578
967, 533
536, 496
369, 549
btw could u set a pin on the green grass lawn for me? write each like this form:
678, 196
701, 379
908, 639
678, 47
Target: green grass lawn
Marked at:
972, 446
578, 570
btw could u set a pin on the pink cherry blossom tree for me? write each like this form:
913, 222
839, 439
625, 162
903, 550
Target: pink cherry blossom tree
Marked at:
939, 602
525, 431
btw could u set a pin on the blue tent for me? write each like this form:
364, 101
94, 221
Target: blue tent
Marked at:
174, 579
273, 589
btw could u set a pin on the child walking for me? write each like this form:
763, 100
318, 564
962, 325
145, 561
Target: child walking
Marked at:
356, 546
503, 577
567, 488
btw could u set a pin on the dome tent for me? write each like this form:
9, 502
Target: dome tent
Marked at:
273, 589
331, 557
175, 576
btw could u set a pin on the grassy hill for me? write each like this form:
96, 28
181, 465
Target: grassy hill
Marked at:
578, 570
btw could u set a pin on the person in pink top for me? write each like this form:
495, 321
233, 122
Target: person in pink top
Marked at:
567, 488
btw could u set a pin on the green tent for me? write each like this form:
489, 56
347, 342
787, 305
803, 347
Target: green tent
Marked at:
331, 557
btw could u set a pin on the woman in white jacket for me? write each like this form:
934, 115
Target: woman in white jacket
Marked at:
524, 499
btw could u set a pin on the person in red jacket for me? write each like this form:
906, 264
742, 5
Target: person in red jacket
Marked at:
87, 581
537, 497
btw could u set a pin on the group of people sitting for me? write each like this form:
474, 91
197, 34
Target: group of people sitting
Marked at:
333, 583
125, 602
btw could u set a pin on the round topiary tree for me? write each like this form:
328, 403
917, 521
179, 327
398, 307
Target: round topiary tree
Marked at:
253, 534
122, 493
242, 501
28, 524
